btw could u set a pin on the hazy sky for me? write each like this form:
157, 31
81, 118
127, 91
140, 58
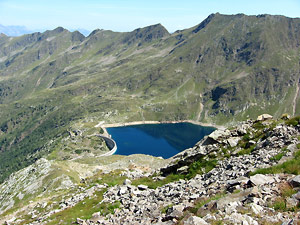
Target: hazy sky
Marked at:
123, 15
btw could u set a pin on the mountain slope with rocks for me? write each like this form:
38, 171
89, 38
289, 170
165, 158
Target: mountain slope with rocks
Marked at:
245, 174
226, 69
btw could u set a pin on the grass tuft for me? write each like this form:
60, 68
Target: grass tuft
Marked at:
291, 167
293, 121
83, 210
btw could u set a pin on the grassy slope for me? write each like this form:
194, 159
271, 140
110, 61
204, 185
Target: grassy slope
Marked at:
50, 80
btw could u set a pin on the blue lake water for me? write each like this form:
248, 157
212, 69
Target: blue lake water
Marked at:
165, 140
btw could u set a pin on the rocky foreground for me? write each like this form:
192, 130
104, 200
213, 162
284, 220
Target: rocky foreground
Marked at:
221, 191
243, 199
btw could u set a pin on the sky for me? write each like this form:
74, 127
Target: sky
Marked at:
127, 15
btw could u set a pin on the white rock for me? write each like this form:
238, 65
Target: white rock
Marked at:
219, 133
243, 128
44, 204
245, 222
20, 196
235, 218
231, 208
183, 169
201, 150
209, 217
195, 220
291, 202
292, 147
80, 221
142, 187
179, 207
127, 182
295, 182
233, 141
257, 209
122, 190
11, 220
251, 142
264, 117
250, 220
137, 193
260, 179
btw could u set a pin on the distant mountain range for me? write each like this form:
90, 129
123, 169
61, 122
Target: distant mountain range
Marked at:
226, 69
14, 31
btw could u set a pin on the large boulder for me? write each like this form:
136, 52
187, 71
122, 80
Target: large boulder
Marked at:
233, 141
296, 196
183, 170
242, 129
260, 179
219, 135
295, 182
291, 202
264, 117
142, 187
257, 209
127, 182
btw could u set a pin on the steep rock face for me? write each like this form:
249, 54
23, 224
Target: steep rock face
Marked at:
239, 54
203, 24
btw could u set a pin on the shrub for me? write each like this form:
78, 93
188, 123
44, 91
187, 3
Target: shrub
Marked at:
293, 121
277, 157
279, 204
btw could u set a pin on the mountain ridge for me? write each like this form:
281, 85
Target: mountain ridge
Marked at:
235, 67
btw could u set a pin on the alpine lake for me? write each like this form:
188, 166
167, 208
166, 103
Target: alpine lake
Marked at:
164, 140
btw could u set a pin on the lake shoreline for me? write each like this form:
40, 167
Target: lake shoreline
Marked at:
159, 122
157, 138
110, 125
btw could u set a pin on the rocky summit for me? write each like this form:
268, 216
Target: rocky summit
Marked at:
245, 174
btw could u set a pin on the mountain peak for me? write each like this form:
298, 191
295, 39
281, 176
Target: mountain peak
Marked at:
2, 35
77, 36
94, 32
153, 28
204, 23
146, 34
59, 29
56, 31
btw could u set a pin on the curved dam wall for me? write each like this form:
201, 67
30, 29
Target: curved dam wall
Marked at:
111, 144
